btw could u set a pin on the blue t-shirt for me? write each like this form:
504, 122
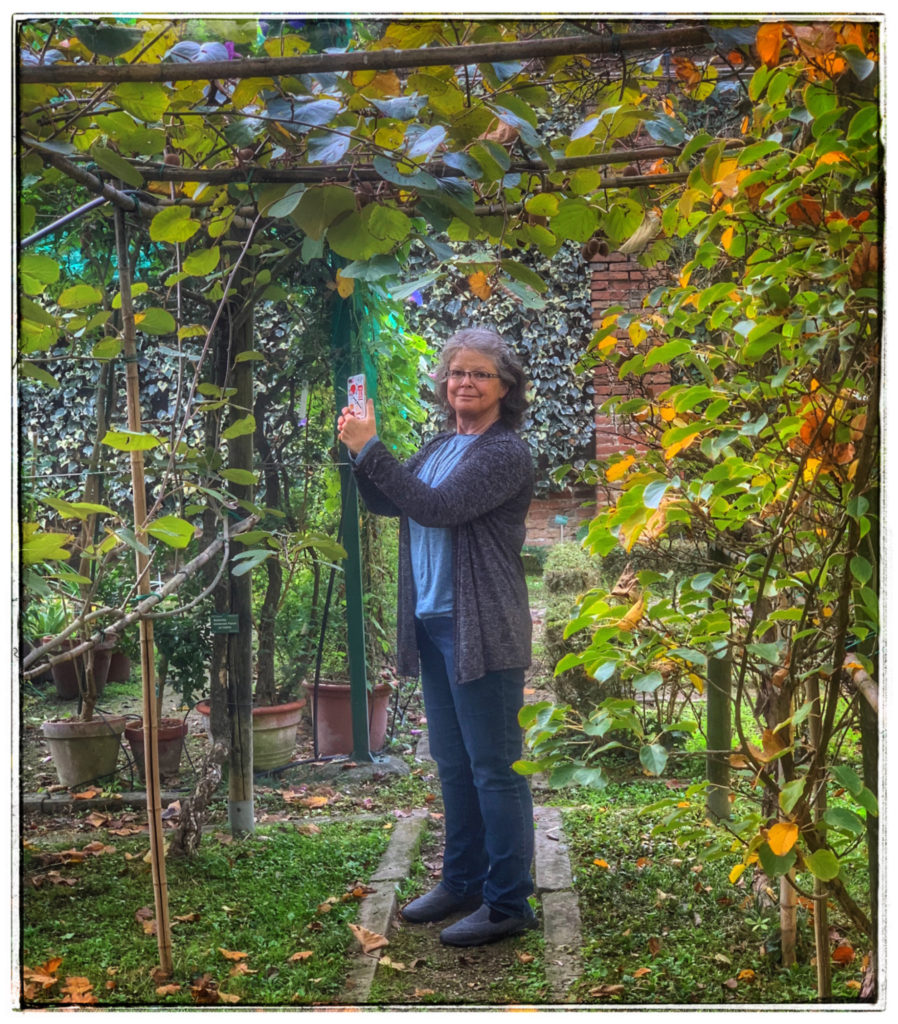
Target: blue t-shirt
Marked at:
431, 546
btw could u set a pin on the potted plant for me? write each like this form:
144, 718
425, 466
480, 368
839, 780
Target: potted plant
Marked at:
182, 649
330, 701
83, 747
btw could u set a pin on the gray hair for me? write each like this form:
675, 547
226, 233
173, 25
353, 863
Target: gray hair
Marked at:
491, 344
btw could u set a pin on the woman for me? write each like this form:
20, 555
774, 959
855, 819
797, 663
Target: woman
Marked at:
464, 617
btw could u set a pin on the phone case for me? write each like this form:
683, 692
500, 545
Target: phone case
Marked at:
355, 390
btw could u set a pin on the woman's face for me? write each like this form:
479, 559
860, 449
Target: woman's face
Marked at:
471, 399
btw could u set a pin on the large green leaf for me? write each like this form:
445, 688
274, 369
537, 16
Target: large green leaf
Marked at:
653, 757
107, 40
171, 530
320, 206
130, 440
147, 101
822, 864
202, 261
239, 428
155, 321
38, 546
79, 296
110, 161
173, 224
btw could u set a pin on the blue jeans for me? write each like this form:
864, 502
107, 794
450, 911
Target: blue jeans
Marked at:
474, 738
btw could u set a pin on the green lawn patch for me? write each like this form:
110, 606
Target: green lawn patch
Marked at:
281, 892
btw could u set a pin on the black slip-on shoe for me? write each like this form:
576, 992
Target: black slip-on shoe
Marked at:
437, 904
486, 925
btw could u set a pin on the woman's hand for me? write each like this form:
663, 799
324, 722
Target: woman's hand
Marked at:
355, 433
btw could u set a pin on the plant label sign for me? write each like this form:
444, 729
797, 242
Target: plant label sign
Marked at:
223, 622
355, 390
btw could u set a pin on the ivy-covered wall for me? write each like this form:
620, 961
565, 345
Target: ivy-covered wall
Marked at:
550, 339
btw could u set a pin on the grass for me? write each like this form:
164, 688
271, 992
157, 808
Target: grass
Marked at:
663, 926
277, 893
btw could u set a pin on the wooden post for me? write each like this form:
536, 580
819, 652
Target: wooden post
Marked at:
352, 567
147, 664
720, 728
241, 816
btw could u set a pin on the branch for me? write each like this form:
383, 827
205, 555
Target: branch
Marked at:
375, 60
143, 610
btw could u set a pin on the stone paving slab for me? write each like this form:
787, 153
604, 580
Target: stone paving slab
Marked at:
554, 886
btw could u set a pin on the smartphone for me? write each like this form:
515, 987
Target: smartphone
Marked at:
355, 390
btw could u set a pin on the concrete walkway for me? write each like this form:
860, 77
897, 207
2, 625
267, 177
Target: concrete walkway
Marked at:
554, 887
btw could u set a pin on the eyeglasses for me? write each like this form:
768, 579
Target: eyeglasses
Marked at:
475, 375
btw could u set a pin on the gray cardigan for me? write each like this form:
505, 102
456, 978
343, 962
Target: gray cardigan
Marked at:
484, 501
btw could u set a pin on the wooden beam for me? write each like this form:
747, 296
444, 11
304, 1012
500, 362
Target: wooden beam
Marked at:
368, 60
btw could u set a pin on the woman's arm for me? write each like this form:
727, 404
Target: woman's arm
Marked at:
493, 471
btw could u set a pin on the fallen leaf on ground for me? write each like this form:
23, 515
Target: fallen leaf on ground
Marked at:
205, 990
78, 990
228, 997
641, 972
97, 820
185, 918
654, 945
241, 968
367, 939
231, 954
419, 993
168, 990
87, 794
303, 954
385, 961
603, 991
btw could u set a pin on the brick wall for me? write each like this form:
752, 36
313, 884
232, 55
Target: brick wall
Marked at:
616, 280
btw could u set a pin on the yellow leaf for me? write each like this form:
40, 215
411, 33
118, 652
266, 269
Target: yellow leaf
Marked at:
599, 863
345, 286
619, 469
782, 837
631, 619
679, 446
479, 285
230, 954
697, 682
726, 239
736, 872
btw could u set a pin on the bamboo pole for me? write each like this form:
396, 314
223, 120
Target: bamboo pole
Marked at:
147, 665
365, 60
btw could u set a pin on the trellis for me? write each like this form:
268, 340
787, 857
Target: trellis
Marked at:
615, 46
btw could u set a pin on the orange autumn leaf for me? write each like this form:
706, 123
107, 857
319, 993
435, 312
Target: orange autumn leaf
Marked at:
805, 211
600, 863
747, 974
835, 156
843, 953
782, 837
78, 990
229, 997
479, 285
769, 41
303, 954
168, 990
641, 972
367, 939
230, 954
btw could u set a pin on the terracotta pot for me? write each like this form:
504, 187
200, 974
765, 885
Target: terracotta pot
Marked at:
65, 673
119, 667
334, 723
274, 733
83, 751
170, 742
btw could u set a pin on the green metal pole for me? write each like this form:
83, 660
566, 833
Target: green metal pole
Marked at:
341, 347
